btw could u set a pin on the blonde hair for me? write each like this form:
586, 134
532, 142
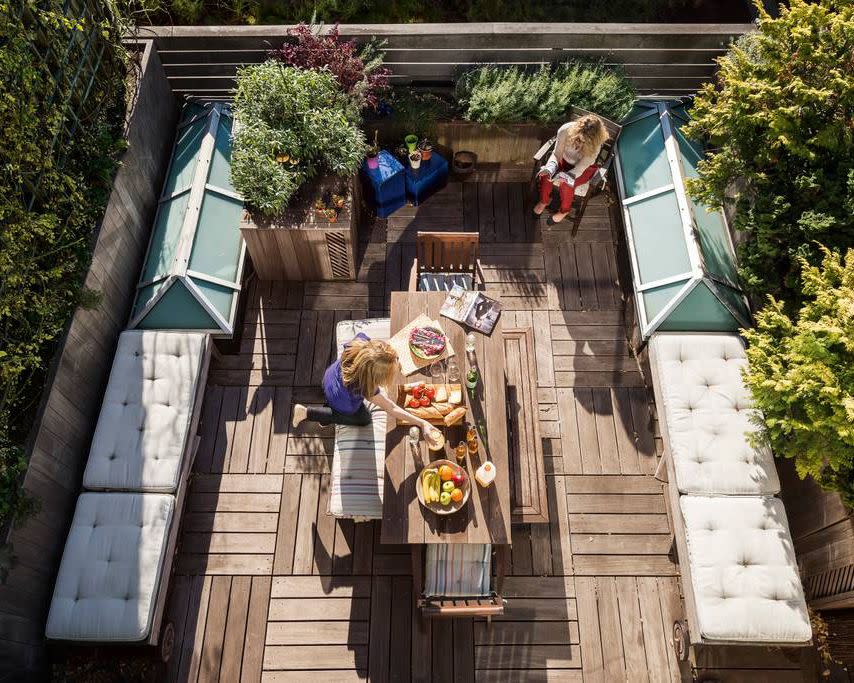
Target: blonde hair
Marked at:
368, 365
587, 134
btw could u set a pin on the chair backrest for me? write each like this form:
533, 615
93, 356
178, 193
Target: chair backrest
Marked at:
447, 252
606, 154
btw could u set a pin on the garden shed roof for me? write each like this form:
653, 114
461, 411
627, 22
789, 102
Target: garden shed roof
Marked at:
681, 253
191, 276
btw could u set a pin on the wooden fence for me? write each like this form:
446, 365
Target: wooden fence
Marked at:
75, 386
661, 59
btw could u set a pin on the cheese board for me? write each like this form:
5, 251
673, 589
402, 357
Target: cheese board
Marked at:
439, 404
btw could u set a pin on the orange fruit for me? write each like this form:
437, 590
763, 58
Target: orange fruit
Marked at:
457, 495
446, 473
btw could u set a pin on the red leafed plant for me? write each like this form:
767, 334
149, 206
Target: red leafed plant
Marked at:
315, 50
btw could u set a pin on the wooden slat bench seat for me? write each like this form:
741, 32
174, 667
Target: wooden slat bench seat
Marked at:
528, 502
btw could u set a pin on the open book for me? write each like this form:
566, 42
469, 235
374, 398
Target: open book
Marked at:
471, 308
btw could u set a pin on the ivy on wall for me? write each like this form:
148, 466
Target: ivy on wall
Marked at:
61, 113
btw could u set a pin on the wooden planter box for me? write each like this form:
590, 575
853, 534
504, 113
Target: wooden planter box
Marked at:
508, 144
301, 245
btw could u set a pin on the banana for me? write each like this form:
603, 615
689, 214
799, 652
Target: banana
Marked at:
430, 484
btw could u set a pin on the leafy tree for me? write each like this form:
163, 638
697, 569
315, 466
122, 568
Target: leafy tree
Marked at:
780, 123
292, 123
801, 374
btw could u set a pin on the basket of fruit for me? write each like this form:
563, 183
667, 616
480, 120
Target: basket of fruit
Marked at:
427, 343
443, 487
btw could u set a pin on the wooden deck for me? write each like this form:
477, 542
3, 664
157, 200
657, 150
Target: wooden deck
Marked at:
268, 587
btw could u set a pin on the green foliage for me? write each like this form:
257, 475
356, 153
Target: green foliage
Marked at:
406, 11
292, 123
51, 199
416, 113
779, 123
493, 94
801, 374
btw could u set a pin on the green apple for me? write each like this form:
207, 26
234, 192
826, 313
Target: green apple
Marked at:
445, 498
448, 486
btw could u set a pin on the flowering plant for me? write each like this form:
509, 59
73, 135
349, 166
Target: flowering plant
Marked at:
360, 73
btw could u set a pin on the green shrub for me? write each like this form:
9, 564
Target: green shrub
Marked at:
51, 200
292, 124
801, 375
779, 124
493, 94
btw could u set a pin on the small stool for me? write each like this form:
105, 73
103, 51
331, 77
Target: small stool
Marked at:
384, 184
424, 181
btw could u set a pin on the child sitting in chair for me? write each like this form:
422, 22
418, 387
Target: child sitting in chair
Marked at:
572, 163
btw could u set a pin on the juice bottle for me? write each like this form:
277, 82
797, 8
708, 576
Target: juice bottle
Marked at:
472, 443
461, 452
485, 474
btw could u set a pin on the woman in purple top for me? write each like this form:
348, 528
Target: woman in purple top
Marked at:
366, 367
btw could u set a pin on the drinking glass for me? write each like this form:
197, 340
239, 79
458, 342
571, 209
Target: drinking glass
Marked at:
437, 372
453, 371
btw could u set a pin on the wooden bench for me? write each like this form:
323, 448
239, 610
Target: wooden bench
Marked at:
528, 503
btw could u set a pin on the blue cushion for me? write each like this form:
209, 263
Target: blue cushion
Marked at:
443, 282
458, 570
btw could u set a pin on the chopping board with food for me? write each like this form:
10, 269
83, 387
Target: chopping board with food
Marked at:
439, 404
420, 343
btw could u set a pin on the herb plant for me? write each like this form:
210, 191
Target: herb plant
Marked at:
495, 94
291, 124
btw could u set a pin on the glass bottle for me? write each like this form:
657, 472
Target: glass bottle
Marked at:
470, 343
461, 452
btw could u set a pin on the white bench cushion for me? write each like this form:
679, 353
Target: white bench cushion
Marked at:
143, 429
458, 570
375, 328
708, 413
743, 570
358, 465
111, 567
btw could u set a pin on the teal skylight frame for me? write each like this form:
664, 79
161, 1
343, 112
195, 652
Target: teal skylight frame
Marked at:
682, 256
193, 268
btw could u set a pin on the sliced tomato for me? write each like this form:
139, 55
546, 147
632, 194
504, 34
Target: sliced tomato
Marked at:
425, 401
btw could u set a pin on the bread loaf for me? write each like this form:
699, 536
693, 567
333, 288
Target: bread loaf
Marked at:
454, 416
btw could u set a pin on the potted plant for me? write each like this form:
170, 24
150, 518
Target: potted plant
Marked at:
373, 153
415, 160
426, 149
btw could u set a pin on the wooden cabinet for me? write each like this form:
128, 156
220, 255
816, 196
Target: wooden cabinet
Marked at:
301, 244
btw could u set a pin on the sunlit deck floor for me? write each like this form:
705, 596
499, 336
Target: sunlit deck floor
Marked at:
269, 587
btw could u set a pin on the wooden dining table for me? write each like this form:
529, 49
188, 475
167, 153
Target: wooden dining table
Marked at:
485, 518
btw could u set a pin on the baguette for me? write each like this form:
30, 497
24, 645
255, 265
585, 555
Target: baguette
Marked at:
455, 416
426, 413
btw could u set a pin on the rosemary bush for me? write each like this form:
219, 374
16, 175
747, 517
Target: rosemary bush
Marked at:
494, 94
292, 123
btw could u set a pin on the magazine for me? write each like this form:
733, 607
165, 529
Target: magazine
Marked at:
471, 308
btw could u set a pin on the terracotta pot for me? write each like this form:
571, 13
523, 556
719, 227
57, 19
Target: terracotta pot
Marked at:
426, 154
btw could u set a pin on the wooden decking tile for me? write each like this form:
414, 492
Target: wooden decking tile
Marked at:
270, 588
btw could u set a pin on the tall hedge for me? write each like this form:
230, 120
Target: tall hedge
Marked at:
780, 125
801, 374
51, 199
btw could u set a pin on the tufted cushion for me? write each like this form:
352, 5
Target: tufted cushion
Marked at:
444, 282
358, 469
458, 569
111, 567
142, 431
375, 328
708, 413
743, 570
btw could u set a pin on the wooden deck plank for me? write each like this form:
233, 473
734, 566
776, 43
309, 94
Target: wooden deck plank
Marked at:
256, 629
309, 597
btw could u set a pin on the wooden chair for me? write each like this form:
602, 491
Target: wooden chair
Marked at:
597, 184
488, 603
443, 259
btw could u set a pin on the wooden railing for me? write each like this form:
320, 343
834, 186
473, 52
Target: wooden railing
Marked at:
665, 59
